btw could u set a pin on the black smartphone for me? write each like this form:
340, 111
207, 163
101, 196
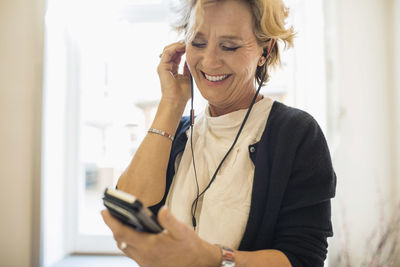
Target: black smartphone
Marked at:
129, 210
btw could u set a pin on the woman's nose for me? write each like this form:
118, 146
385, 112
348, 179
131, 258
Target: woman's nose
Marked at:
211, 58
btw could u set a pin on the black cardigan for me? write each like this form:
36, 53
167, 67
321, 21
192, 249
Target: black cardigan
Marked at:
293, 183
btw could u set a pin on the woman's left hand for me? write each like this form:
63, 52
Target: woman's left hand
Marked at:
178, 245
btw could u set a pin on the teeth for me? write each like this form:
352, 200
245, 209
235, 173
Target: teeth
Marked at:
215, 78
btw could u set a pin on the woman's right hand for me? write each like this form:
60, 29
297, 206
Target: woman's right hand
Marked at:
175, 87
155, 149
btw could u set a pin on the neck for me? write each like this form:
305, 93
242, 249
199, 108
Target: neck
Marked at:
216, 111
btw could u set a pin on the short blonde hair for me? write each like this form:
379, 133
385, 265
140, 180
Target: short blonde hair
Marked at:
269, 18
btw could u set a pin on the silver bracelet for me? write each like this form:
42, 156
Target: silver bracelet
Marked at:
228, 257
163, 133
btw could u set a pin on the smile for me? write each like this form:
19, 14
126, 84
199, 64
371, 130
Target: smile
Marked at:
215, 78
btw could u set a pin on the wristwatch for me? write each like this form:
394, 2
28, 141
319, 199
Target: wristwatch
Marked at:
228, 257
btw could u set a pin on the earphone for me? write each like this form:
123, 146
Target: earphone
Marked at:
198, 194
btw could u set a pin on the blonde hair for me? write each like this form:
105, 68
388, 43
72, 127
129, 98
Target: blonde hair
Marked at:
269, 18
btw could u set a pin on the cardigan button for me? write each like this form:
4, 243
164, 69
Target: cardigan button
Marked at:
252, 149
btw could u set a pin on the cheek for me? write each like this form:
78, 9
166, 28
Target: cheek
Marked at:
247, 58
190, 58
245, 68
250, 59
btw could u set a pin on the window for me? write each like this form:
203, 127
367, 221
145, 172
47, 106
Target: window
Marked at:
106, 54
117, 94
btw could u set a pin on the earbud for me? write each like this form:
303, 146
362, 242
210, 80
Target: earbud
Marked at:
263, 57
261, 61
265, 52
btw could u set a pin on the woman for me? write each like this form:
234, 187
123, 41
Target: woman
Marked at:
268, 204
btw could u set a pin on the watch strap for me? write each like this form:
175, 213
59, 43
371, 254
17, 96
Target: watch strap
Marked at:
228, 257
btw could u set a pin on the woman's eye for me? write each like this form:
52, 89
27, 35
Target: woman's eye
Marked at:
227, 48
198, 45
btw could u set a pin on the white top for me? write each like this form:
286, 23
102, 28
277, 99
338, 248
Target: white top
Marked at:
223, 210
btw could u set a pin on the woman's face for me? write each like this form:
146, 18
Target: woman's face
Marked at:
223, 56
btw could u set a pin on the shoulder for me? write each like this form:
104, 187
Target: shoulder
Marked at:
290, 132
291, 124
284, 116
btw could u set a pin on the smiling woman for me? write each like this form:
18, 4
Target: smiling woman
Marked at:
268, 21
224, 55
256, 175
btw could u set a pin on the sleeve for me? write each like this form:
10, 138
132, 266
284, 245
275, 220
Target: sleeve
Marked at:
304, 220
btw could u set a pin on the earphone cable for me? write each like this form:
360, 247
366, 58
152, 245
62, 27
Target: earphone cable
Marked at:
191, 147
195, 202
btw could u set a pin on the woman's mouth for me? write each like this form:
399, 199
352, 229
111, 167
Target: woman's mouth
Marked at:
215, 78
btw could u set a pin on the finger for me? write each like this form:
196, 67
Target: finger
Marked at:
122, 232
172, 57
165, 67
172, 45
176, 44
173, 49
130, 252
174, 227
173, 53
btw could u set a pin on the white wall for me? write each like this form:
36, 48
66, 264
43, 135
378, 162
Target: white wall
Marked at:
364, 158
54, 136
21, 48
396, 47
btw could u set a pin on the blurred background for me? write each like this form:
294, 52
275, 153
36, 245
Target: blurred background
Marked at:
79, 88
